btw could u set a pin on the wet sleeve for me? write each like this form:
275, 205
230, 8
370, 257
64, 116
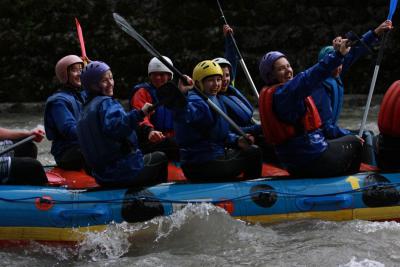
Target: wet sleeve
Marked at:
232, 56
198, 112
116, 122
332, 131
369, 39
64, 119
288, 99
140, 98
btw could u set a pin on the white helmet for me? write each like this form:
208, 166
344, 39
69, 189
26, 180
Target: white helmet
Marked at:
222, 61
155, 65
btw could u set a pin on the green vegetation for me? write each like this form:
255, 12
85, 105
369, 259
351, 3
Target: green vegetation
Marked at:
35, 34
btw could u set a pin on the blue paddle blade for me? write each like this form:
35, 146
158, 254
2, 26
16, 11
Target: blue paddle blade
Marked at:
393, 5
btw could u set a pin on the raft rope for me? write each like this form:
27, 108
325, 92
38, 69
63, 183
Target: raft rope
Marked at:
376, 186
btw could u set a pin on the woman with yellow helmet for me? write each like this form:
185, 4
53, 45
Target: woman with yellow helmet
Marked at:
209, 151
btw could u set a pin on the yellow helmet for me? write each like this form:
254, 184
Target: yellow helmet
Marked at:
205, 69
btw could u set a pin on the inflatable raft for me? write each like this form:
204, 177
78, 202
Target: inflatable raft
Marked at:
73, 203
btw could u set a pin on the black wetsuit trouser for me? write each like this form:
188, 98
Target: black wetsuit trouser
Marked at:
155, 171
343, 156
227, 167
25, 169
72, 159
168, 146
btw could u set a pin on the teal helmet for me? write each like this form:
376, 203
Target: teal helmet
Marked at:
325, 51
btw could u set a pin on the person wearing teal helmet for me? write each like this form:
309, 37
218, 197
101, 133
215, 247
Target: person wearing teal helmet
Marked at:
329, 97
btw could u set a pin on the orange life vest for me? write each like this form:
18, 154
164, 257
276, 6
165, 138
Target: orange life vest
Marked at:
389, 113
275, 131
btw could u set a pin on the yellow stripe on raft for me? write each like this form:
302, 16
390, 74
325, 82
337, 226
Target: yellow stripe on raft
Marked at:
78, 234
48, 233
368, 214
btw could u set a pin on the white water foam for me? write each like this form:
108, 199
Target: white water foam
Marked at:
363, 263
174, 222
372, 227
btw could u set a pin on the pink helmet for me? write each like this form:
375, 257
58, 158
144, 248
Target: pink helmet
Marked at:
62, 67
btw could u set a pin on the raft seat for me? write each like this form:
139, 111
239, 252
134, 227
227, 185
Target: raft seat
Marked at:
81, 180
70, 179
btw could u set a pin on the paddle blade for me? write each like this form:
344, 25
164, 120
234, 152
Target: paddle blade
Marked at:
392, 9
80, 37
170, 96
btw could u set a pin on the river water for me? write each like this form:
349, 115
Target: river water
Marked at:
204, 235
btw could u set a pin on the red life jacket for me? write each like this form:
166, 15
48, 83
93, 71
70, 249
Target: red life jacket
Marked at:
389, 113
277, 132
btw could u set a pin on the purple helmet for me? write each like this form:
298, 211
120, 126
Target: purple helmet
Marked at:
266, 65
92, 73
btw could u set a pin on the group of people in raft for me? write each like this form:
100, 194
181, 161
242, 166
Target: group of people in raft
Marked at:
90, 130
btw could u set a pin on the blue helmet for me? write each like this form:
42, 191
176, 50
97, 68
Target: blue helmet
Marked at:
92, 73
266, 65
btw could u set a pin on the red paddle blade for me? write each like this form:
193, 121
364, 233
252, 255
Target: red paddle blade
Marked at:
80, 37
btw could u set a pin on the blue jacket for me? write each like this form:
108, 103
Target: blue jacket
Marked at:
328, 96
108, 140
202, 134
239, 108
231, 55
60, 118
162, 117
289, 106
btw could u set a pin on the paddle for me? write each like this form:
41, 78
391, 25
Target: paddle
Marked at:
241, 61
169, 95
81, 41
393, 4
23, 141
126, 27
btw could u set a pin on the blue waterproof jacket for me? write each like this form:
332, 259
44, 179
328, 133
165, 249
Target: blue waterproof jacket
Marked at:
328, 96
162, 117
240, 110
202, 134
238, 107
289, 106
60, 119
108, 140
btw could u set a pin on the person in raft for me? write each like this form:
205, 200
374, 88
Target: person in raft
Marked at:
156, 132
328, 97
208, 150
107, 136
291, 121
237, 106
20, 166
62, 112
388, 141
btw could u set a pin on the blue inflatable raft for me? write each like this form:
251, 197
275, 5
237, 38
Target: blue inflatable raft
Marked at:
63, 213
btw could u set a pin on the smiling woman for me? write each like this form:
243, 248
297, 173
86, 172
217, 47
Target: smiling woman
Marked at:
62, 113
291, 120
107, 135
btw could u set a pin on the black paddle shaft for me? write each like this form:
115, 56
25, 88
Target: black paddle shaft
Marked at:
230, 34
126, 27
23, 141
